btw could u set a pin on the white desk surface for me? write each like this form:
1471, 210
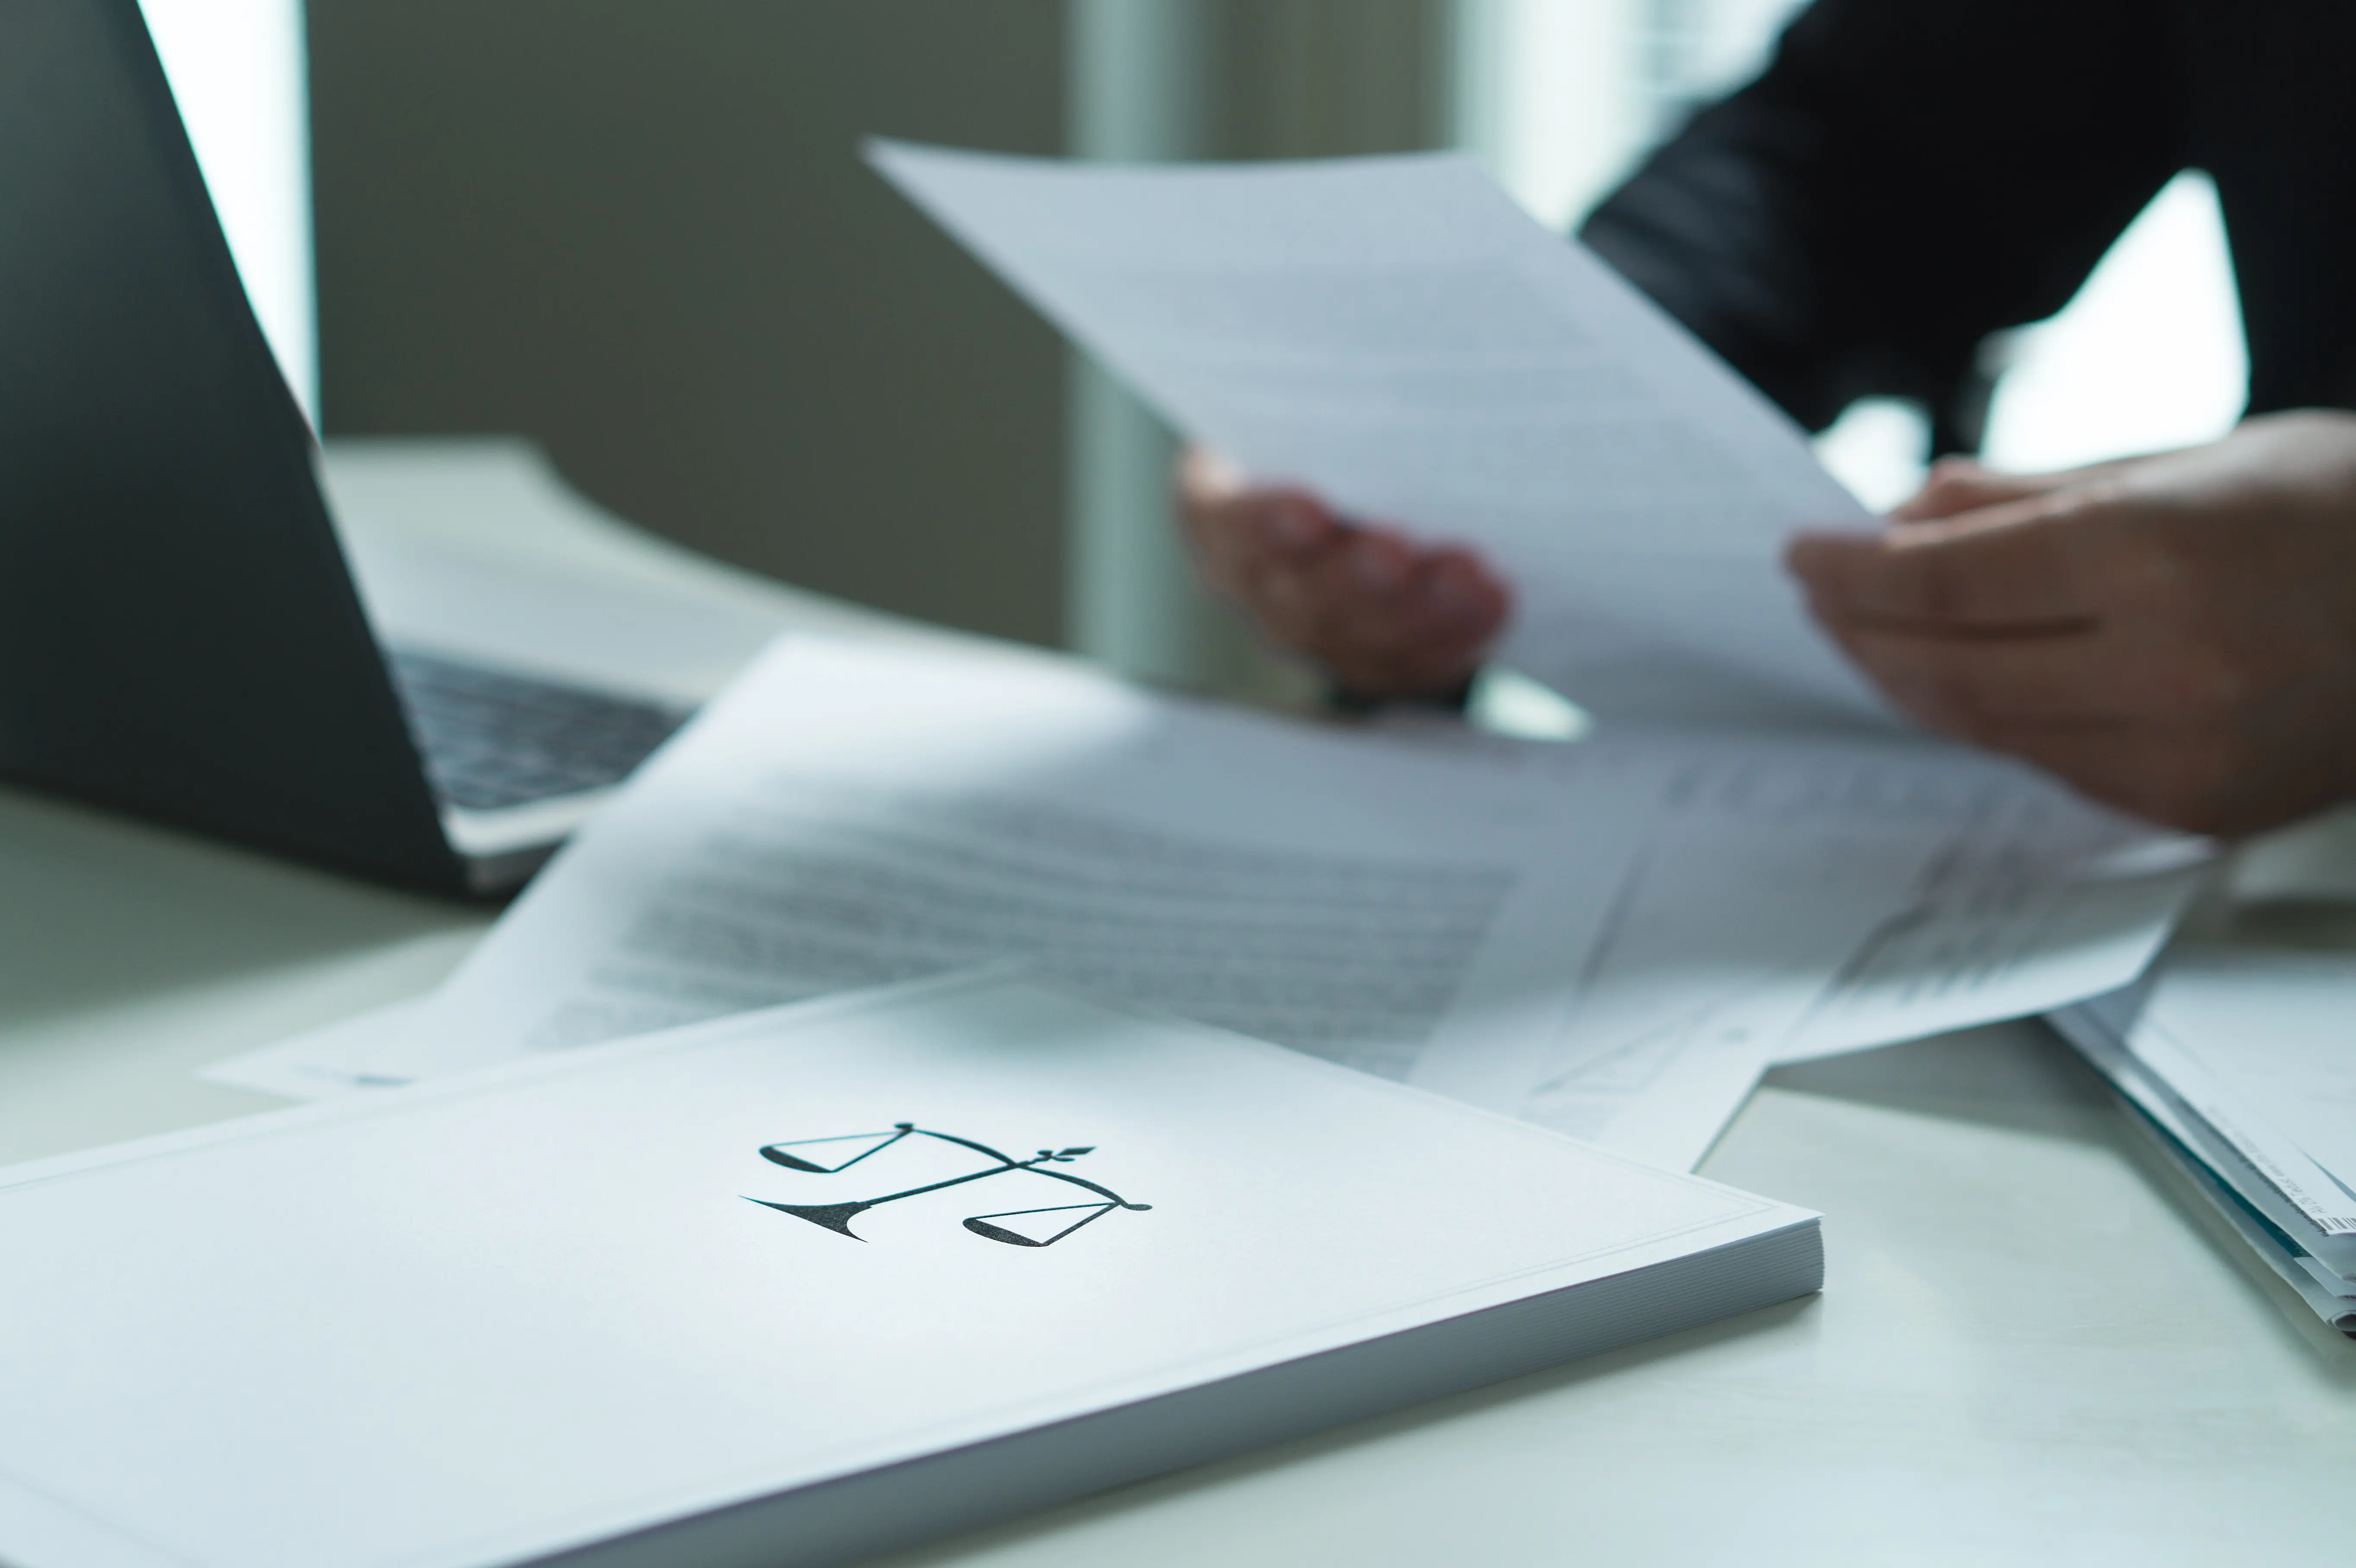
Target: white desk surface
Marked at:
2032, 1347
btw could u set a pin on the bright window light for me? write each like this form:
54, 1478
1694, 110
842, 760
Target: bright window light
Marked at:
1561, 98
1552, 96
237, 70
1879, 448
2147, 356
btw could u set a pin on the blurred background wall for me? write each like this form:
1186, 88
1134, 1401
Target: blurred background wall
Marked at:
636, 230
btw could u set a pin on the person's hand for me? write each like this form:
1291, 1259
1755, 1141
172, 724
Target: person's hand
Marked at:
1385, 616
2173, 634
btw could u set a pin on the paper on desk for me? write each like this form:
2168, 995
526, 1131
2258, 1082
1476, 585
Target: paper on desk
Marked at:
1397, 334
321, 1063
2178, 1133
1800, 896
845, 817
2294, 1243
1611, 940
512, 1320
2043, 903
2261, 1046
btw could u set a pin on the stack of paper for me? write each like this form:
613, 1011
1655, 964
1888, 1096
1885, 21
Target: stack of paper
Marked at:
796, 1287
1612, 940
2243, 1065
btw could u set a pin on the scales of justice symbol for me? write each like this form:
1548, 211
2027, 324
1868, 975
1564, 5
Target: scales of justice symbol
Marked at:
836, 1217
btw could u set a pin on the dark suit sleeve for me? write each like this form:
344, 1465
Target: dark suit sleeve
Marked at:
1906, 176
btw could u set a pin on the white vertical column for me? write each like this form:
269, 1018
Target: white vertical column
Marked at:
1142, 90
240, 73
1550, 93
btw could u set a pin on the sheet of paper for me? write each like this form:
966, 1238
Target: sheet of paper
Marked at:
2327, 1294
847, 816
2281, 1027
2263, 1046
2096, 1031
2039, 903
493, 1321
2284, 1166
1396, 334
1803, 896
1611, 939
326, 1062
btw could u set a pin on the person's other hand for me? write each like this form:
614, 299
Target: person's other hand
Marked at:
2173, 634
1385, 616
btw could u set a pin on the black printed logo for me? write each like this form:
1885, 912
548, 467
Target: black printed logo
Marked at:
1021, 1227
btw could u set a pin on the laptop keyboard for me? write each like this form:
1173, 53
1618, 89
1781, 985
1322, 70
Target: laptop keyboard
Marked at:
493, 740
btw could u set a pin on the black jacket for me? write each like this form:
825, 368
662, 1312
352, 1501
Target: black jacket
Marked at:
1910, 175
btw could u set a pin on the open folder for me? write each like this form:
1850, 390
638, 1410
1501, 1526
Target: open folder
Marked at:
795, 1287
2237, 1062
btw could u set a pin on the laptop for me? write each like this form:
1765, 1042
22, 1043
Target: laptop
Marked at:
180, 635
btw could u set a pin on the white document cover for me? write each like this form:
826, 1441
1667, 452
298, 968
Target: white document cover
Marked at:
981, 1230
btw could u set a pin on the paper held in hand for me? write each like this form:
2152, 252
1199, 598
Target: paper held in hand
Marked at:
1612, 940
796, 1287
1396, 334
